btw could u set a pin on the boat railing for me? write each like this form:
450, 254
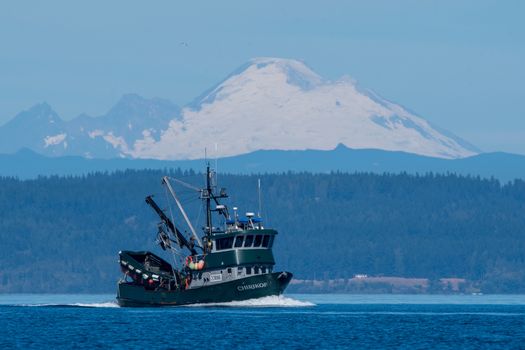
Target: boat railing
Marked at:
248, 223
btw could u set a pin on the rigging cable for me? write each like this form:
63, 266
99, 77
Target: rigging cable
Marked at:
199, 213
184, 184
171, 213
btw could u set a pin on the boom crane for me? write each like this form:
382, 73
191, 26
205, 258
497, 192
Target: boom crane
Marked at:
166, 181
183, 242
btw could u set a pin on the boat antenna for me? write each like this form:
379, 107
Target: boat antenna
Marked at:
216, 165
259, 195
208, 200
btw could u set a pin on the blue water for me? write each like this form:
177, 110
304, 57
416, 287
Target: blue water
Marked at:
294, 322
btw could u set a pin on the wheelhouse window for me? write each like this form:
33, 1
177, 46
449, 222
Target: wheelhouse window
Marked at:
238, 241
258, 241
266, 240
270, 244
249, 240
248, 270
256, 270
224, 243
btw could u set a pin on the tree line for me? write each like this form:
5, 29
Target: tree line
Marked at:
63, 234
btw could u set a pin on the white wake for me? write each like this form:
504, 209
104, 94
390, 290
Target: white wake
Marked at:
106, 304
269, 301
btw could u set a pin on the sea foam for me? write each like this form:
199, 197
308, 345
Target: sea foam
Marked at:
269, 301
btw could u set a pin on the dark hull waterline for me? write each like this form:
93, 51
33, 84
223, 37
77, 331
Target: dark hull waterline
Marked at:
237, 290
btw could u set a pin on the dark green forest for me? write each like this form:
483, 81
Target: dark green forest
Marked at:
63, 234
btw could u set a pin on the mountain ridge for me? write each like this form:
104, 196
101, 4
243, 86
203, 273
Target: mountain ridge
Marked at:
105, 136
267, 103
27, 164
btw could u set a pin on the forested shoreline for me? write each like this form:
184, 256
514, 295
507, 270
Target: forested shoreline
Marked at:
63, 234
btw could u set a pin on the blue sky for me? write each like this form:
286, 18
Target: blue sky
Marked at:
459, 64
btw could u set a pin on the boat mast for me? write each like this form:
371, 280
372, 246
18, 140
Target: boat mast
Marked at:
259, 195
208, 195
208, 201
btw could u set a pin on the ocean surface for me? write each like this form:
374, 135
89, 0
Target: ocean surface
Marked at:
289, 322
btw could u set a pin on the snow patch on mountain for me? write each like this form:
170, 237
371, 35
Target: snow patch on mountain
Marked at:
117, 142
55, 140
94, 133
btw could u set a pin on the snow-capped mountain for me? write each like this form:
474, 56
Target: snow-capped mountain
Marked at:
269, 103
282, 104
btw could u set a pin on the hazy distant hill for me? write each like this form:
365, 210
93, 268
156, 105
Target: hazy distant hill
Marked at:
503, 166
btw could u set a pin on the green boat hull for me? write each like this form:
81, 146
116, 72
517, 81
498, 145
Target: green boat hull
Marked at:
253, 287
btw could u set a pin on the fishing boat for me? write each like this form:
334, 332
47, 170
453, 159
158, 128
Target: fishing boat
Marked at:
232, 260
